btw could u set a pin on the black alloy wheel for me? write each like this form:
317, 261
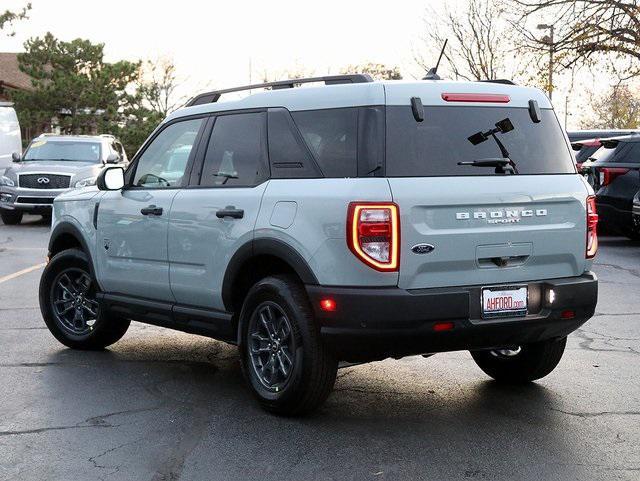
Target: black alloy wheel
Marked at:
73, 298
272, 346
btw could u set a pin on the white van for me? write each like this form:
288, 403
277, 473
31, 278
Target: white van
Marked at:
9, 134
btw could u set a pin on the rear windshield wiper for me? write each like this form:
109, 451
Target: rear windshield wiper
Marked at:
502, 165
503, 126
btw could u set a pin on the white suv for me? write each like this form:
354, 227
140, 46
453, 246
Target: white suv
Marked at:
348, 222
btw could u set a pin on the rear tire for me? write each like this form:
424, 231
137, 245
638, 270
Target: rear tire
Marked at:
69, 306
533, 361
633, 232
11, 218
284, 361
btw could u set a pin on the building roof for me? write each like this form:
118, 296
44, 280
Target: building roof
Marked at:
10, 75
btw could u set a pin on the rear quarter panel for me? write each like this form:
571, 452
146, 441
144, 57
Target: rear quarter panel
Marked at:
317, 229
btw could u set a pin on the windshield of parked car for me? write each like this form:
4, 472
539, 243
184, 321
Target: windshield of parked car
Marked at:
78, 151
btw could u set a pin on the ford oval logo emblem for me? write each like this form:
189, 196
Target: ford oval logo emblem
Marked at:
422, 248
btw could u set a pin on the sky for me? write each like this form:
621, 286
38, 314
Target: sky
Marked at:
214, 42
217, 44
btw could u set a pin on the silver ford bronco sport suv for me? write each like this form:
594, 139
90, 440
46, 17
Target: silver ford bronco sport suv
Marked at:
352, 221
51, 165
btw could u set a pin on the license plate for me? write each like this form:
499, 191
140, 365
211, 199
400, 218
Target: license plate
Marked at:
504, 302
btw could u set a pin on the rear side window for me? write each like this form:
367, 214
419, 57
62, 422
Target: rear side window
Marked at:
332, 137
435, 146
235, 153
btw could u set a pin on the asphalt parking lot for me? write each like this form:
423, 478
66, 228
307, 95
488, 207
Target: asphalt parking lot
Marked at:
162, 405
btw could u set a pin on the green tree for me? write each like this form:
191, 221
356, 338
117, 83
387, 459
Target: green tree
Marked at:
9, 17
76, 90
72, 82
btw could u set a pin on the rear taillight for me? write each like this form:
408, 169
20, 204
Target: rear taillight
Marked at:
608, 174
592, 226
373, 234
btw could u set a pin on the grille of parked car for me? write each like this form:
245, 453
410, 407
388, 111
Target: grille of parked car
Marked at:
44, 181
34, 200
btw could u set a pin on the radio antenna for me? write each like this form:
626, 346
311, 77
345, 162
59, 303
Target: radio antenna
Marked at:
432, 74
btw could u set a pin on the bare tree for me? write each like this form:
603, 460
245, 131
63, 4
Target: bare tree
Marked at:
378, 71
157, 86
584, 29
618, 109
479, 46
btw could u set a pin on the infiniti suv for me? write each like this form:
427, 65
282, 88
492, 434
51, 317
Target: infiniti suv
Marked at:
51, 165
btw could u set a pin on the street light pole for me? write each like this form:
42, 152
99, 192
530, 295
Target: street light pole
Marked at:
550, 41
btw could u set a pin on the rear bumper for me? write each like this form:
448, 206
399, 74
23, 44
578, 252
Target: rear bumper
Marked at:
375, 323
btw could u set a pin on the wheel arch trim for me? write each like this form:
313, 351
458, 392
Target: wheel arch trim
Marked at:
263, 246
69, 228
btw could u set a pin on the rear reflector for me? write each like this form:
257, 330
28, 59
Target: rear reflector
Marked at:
443, 326
592, 227
568, 314
373, 234
491, 98
328, 305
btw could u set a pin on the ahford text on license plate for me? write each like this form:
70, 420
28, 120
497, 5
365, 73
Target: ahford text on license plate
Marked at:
504, 302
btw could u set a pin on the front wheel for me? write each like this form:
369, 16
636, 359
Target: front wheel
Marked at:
11, 218
523, 363
287, 366
69, 305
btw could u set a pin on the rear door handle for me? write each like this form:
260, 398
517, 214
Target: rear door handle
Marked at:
151, 210
230, 211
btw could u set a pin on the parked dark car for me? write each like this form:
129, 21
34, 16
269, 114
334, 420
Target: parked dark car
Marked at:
577, 135
613, 173
636, 212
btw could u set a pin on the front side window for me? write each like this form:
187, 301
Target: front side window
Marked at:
164, 162
235, 151
63, 150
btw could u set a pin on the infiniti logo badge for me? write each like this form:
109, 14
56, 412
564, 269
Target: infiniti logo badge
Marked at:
43, 180
422, 248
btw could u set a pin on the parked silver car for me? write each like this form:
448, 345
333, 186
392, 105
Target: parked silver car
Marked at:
51, 165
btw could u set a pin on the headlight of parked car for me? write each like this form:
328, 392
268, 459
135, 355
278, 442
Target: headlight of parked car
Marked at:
4, 180
86, 182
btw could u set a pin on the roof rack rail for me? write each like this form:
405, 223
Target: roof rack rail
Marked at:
499, 81
214, 96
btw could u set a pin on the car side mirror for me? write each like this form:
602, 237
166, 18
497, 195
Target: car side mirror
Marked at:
16, 157
113, 158
111, 178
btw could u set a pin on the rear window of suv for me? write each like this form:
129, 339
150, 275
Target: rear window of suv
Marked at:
622, 152
434, 146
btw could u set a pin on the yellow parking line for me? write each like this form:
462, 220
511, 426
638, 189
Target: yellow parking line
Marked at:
22, 272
